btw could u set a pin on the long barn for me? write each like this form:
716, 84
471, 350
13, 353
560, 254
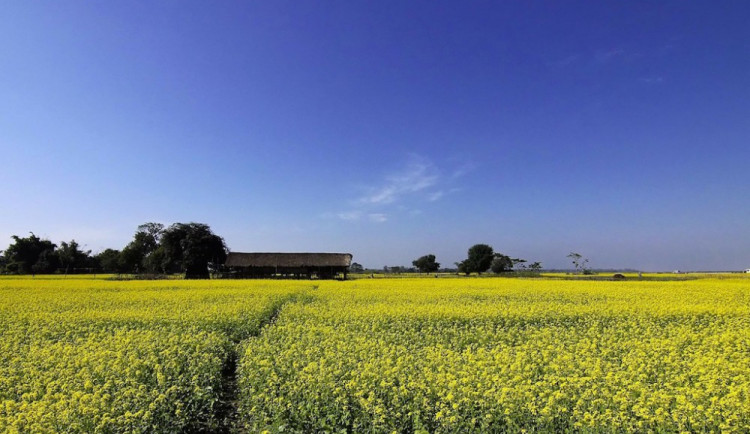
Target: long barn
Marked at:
288, 265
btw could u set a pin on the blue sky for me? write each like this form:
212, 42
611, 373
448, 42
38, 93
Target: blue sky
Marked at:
385, 129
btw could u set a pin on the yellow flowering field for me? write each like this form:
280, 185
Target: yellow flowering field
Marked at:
504, 355
85, 355
377, 355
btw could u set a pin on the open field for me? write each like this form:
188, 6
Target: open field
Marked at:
377, 355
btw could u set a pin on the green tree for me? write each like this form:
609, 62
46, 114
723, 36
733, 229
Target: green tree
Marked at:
145, 242
501, 263
71, 256
156, 261
426, 264
46, 263
356, 268
190, 247
30, 255
108, 260
130, 259
394, 269
480, 259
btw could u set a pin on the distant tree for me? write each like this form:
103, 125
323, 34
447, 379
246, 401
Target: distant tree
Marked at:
130, 259
395, 269
46, 263
189, 247
30, 255
71, 256
145, 242
536, 267
356, 268
108, 260
150, 235
501, 263
518, 263
579, 262
462, 268
480, 258
156, 261
426, 264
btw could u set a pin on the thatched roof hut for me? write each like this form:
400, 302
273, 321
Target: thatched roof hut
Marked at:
322, 265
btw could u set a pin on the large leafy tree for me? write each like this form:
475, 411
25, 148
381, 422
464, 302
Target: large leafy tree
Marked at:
501, 263
133, 257
426, 264
479, 260
190, 247
71, 256
109, 261
30, 255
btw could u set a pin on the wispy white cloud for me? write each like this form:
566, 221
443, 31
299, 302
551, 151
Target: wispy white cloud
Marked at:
349, 215
463, 170
377, 217
418, 180
356, 215
414, 178
432, 197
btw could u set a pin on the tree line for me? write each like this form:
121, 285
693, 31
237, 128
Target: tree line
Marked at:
190, 248
193, 249
480, 258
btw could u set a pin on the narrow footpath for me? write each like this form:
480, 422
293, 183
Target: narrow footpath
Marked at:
226, 410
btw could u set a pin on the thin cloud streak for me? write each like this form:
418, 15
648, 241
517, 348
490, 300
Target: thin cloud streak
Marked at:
378, 217
416, 177
432, 197
463, 170
419, 180
349, 215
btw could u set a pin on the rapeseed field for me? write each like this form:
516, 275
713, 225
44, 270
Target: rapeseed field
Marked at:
86, 356
505, 355
375, 355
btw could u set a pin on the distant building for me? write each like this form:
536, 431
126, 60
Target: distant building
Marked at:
747, 270
287, 265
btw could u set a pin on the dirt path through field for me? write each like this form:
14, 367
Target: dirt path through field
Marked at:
226, 409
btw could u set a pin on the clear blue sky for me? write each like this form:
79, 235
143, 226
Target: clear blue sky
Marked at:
388, 129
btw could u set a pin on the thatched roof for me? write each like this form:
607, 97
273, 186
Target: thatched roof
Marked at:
236, 259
